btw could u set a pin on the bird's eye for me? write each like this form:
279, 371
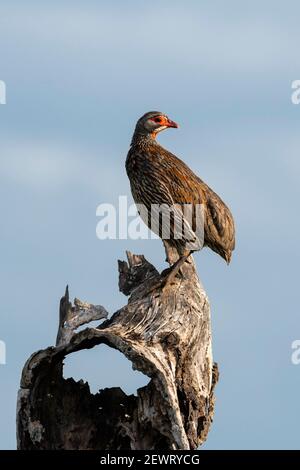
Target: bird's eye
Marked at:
157, 119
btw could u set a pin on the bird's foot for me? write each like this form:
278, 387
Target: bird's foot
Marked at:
164, 281
166, 272
169, 275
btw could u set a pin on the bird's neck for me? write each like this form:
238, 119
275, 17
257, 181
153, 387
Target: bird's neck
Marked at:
143, 140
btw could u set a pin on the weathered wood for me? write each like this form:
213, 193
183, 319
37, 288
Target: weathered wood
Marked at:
165, 333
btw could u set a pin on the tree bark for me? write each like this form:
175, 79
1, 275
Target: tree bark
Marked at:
165, 333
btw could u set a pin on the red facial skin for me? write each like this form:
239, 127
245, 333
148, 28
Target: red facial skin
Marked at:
164, 121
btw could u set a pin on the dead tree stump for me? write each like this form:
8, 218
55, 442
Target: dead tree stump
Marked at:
165, 333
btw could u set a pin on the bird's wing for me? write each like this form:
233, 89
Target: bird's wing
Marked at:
161, 192
220, 229
174, 221
188, 188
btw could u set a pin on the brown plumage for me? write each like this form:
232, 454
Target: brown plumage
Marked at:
159, 177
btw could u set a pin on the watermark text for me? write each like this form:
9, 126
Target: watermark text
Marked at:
2, 92
295, 97
184, 222
2, 353
295, 357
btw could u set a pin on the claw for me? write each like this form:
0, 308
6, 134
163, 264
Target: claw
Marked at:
169, 274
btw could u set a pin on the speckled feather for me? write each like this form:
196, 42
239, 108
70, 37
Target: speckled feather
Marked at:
159, 177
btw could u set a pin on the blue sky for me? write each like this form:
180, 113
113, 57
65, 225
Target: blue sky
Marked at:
78, 76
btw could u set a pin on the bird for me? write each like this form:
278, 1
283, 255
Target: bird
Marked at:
159, 178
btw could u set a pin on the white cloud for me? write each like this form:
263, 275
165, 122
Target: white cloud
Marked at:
35, 164
195, 36
43, 166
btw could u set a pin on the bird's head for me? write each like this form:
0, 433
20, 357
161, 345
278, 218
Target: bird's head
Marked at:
154, 122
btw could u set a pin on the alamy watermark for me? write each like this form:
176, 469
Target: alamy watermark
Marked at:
175, 221
295, 357
2, 353
295, 96
2, 92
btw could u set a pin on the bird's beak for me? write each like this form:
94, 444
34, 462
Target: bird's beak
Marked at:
170, 123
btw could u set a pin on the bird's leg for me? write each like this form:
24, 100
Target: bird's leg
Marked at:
170, 273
